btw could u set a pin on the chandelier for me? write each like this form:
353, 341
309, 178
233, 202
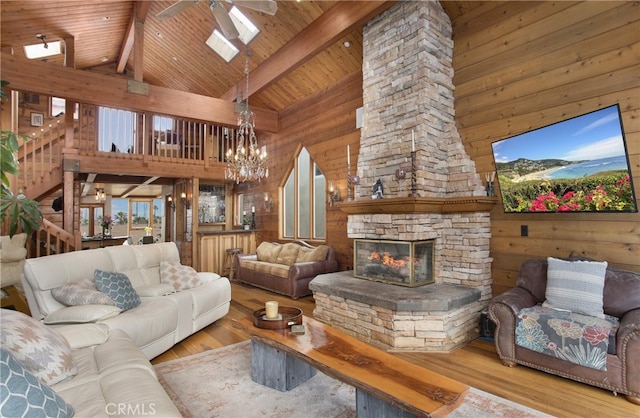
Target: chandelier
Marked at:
247, 161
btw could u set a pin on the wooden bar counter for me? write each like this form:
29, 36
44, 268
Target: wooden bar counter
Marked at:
214, 244
383, 382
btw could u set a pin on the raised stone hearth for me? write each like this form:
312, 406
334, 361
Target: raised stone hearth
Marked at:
433, 317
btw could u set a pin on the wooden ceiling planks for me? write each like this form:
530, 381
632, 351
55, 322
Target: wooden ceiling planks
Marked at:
175, 54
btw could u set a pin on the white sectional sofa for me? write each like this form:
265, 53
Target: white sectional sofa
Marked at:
89, 371
164, 316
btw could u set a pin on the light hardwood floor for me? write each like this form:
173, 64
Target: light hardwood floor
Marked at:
476, 365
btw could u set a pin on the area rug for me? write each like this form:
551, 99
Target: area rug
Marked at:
217, 383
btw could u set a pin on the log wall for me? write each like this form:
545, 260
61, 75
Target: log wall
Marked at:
521, 66
518, 66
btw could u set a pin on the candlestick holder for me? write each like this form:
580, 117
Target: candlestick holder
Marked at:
351, 181
414, 186
253, 220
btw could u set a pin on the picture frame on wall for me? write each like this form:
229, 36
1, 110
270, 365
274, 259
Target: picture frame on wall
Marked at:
37, 119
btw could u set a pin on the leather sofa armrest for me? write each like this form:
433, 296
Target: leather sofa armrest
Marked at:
628, 348
503, 310
241, 257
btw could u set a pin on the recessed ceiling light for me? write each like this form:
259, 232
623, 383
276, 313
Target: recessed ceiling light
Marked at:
174, 58
346, 44
159, 34
104, 59
106, 18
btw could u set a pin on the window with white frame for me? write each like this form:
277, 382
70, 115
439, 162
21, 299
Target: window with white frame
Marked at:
303, 210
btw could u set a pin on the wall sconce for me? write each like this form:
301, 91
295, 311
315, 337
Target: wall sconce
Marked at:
100, 196
268, 202
185, 201
170, 202
334, 194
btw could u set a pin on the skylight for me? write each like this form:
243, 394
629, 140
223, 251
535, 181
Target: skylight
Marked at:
42, 50
246, 30
222, 46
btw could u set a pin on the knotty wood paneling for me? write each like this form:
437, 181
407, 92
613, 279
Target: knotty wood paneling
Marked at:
324, 123
524, 65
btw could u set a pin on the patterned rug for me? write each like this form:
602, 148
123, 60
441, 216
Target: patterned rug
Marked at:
217, 383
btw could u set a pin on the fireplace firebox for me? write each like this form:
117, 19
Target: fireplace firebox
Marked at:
403, 263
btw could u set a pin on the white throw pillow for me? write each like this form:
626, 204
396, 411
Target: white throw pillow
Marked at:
40, 349
576, 286
179, 276
81, 292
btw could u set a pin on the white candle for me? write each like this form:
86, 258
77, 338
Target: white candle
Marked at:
244, 213
348, 155
253, 209
271, 308
413, 141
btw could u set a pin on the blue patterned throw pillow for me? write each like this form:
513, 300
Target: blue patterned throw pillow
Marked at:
23, 395
118, 287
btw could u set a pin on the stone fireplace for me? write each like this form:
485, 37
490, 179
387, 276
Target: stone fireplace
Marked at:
409, 104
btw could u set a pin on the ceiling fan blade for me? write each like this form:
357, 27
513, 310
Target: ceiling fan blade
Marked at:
175, 8
224, 21
269, 7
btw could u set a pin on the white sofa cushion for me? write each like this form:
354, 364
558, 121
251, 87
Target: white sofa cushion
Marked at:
81, 314
112, 375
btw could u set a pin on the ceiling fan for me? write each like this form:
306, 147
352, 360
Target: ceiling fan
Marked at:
220, 12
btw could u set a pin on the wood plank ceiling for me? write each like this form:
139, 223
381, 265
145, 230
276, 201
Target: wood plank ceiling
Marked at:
174, 51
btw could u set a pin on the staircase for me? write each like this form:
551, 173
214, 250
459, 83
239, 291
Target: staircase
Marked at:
40, 177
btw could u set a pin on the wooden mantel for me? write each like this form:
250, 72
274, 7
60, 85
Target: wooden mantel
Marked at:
417, 205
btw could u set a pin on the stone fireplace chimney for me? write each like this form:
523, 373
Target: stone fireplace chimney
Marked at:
408, 92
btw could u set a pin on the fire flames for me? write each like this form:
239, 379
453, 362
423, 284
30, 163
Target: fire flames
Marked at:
387, 260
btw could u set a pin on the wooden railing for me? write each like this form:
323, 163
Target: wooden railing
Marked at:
155, 136
41, 153
51, 239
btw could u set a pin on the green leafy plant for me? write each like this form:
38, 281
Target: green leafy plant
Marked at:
22, 213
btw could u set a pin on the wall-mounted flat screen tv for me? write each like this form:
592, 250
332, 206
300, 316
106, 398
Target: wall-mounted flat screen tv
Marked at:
577, 165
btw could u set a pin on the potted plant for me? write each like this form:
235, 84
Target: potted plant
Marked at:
22, 213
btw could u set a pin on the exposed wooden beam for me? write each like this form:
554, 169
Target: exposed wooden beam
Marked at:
131, 190
140, 11
327, 29
99, 89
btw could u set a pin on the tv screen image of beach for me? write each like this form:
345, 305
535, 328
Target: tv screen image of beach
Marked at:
577, 165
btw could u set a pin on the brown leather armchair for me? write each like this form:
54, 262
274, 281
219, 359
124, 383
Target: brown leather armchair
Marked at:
621, 299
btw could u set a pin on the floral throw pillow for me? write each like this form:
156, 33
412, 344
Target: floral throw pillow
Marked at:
40, 349
118, 287
179, 276
81, 292
23, 395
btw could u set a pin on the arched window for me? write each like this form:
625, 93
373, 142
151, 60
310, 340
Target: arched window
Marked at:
303, 209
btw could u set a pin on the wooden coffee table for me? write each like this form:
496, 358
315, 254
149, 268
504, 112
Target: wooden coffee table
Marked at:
385, 385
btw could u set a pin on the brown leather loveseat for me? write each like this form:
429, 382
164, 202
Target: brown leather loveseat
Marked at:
285, 268
621, 299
